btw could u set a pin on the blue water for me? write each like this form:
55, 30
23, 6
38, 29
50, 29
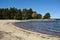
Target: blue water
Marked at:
47, 27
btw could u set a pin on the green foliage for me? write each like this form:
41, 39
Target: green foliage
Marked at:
46, 16
18, 14
27, 14
34, 15
39, 16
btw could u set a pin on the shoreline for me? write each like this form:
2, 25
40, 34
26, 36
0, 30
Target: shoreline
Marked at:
12, 32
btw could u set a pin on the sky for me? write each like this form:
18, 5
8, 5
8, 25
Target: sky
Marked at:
40, 6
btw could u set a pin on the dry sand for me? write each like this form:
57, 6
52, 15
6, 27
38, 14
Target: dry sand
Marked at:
8, 31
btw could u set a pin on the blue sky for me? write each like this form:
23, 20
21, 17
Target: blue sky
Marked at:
40, 6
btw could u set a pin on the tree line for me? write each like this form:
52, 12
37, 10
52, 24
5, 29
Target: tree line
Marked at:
14, 13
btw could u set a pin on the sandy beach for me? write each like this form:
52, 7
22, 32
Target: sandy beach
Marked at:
8, 31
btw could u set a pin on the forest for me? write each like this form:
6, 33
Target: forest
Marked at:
24, 14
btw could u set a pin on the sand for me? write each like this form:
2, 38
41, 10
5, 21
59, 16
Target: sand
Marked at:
8, 31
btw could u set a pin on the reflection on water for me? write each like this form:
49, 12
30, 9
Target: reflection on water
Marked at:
48, 27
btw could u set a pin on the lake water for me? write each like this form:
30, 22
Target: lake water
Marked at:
47, 27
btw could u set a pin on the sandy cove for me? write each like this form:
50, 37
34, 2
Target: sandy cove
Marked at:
8, 31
